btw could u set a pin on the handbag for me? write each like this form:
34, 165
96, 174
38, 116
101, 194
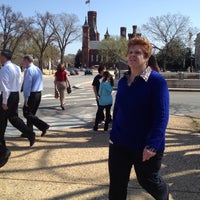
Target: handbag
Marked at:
56, 95
69, 90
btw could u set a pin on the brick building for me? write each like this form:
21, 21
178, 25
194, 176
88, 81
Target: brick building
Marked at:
90, 40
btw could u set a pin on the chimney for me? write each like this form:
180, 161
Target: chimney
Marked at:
134, 30
123, 32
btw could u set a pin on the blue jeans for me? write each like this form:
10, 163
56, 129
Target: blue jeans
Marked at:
120, 164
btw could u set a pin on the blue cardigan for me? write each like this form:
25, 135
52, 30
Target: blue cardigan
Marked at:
105, 94
141, 113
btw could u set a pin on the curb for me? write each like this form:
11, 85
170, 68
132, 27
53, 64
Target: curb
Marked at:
184, 89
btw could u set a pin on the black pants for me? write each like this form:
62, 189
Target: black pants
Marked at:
12, 115
120, 164
99, 116
30, 112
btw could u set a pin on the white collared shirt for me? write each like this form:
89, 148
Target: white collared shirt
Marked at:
10, 79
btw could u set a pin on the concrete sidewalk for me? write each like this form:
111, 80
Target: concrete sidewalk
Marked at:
72, 164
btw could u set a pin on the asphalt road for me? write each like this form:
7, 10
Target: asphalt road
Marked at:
81, 105
185, 103
181, 103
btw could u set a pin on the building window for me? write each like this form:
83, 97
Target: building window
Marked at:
92, 58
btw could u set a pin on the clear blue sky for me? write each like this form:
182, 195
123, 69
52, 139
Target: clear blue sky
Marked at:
111, 14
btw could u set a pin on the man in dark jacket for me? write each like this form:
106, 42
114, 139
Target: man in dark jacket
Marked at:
96, 84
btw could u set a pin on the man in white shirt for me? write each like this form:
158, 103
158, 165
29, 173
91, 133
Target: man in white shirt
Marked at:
10, 81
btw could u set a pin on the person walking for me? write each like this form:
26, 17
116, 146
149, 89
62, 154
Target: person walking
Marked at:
96, 84
152, 62
32, 88
10, 82
140, 118
61, 82
105, 100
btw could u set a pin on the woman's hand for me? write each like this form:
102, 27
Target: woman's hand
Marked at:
4, 106
25, 103
147, 154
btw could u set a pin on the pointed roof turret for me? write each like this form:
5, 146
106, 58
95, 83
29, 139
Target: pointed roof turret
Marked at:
107, 35
86, 22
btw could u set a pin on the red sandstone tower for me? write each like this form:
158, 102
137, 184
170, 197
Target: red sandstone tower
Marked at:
85, 44
90, 35
123, 32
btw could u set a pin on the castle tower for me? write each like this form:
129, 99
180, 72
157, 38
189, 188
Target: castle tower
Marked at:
123, 32
134, 33
134, 30
85, 43
107, 35
92, 22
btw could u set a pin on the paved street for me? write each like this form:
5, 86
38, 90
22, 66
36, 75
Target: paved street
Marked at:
81, 106
79, 109
71, 163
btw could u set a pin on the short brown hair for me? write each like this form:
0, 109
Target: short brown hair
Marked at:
28, 57
61, 67
143, 42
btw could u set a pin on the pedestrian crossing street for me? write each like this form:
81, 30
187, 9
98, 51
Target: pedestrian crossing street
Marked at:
80, 109
77, 96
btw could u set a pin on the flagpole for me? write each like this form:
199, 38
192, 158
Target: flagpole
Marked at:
88, 2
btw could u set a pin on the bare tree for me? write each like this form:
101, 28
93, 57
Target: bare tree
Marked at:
113, 50
163, 30
66, 30
42, 34
12, 28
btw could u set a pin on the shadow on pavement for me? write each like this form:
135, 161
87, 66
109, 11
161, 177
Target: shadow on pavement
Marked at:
72, 164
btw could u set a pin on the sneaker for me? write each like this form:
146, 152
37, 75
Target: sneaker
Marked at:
102, 123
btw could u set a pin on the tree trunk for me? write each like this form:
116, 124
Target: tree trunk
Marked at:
41, 62
62, 56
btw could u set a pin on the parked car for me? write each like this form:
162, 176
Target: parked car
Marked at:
88, 71
73, 70
76, 70
82, 69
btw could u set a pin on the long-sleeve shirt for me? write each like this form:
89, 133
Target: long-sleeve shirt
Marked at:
10, 79
105, 93
141, 112
32, 81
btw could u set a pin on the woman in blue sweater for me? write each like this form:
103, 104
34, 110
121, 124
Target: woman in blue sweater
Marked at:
140, 119
105, 100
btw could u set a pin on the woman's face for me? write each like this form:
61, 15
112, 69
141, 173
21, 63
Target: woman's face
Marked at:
136, 59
